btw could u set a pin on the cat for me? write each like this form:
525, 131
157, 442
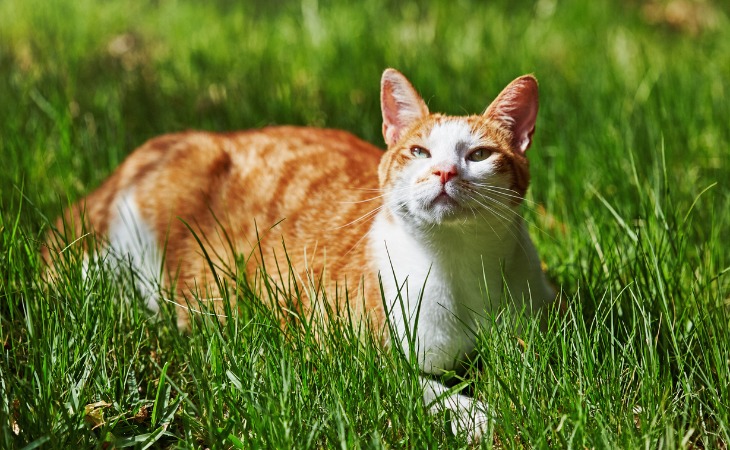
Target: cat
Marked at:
422, 240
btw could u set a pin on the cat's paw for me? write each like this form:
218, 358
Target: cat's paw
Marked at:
470, 418
467, 416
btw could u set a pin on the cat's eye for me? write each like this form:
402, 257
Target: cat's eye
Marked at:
420, 152
479, 154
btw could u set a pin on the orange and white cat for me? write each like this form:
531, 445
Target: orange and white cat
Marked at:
434, 220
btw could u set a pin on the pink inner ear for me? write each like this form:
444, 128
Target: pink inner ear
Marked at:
516, 107
400, 104
525, 127
392, 126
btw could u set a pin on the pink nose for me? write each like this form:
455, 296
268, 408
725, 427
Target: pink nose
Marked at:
445, 173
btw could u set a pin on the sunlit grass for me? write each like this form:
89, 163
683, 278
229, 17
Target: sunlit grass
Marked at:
629, 207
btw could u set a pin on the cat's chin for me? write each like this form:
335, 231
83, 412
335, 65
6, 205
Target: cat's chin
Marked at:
444, 210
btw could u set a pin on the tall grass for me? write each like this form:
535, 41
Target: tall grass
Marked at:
629, 206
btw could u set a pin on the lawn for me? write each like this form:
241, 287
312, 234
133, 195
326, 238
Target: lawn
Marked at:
629, 206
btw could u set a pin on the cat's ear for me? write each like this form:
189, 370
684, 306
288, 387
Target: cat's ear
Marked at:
516, 108
400, 103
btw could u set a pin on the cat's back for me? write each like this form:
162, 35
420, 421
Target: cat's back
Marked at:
274, 153
271, 174
309, 174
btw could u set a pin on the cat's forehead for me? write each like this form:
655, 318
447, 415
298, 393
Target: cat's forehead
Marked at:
457, 133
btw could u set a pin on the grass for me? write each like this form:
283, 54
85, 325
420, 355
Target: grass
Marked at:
631, 214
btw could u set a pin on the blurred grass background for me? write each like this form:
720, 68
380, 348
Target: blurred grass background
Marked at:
629, 163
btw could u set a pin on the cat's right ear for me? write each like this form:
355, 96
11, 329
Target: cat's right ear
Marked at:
401, 105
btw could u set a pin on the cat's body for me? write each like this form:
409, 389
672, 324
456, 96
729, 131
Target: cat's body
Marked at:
239, 193
434, 219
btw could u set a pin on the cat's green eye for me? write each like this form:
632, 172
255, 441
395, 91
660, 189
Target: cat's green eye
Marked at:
420, 152
479, 154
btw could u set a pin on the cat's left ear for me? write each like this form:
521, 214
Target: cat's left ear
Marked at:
516, 108
401, 105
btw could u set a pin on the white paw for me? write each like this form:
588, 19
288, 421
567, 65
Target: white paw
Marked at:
471, 418
468, 417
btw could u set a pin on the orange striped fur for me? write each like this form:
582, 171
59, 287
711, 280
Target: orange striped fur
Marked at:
313, 189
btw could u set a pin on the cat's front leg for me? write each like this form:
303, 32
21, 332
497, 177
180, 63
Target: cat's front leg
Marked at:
469, 415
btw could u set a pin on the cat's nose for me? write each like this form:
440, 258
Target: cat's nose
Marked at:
445, 172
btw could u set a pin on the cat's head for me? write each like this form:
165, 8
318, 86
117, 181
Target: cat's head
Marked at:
445, 169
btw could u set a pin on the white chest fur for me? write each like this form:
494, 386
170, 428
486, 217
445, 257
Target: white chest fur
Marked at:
440, 287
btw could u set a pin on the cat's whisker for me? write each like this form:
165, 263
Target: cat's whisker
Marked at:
383, 194
494, 214
506, 208
506, 193
366, 216
359, 241
502, 191
497, 211
494, 197
474, 212
390, 190
511, 197
494, 186
486, 220
506, 222
530, 205
363, 201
